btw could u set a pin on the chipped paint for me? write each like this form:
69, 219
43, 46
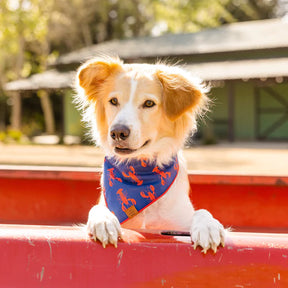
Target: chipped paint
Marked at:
120, 255
245, 249
50, 247
29, 241
148, 246
42, 274
220, 258
36, 262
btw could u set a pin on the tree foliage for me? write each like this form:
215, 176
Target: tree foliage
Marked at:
191, 16
34, 32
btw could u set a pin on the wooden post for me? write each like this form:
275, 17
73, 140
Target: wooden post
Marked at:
2, 110
16, 111
47, 111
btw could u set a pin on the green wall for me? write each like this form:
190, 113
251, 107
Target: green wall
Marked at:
245, 113
72, 117
274, 109
219, 112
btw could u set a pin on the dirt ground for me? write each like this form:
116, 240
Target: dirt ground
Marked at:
236, 158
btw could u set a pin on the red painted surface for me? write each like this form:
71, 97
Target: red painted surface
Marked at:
47, 196
34, 256
62, 257
243, 202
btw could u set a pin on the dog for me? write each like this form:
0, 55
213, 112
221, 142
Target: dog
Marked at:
141, 115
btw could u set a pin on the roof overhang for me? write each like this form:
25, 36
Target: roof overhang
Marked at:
51, 79
240, 69
209, 71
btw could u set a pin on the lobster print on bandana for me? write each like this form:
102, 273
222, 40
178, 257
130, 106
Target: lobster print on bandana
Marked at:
131, 187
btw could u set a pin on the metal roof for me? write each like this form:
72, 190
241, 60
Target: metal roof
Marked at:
209, 71
243, 36
240, 69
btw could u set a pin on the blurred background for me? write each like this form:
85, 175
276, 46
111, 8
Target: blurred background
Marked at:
239, 47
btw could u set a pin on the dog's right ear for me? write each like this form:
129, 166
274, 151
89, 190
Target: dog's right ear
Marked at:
94, 73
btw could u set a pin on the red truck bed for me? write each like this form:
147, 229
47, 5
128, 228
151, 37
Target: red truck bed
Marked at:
58, 256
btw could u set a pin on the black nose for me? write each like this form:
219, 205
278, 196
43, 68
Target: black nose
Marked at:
119, 132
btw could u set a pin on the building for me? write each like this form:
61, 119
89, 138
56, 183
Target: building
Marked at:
246, 64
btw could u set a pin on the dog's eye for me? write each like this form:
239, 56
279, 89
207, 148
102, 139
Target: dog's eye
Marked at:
149, 104
114, 101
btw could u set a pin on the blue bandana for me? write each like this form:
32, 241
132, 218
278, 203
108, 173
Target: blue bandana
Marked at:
131, 187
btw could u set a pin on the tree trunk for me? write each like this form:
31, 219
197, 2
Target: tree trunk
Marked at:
86, 34
47, 111
2, 105
16, 106
16, 111
2, 115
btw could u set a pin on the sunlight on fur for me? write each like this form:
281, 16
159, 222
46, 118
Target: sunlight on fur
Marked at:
141, 114
180, 98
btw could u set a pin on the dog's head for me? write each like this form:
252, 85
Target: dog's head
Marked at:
139, 110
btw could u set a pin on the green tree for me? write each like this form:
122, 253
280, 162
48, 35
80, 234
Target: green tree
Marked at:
34, 32
193, 15
24, 47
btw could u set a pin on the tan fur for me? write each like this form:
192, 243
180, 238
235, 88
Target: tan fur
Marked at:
180, 99
156, 133
94, 75
179, 95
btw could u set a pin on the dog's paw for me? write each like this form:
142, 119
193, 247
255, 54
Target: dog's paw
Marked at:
206, 231
103, 225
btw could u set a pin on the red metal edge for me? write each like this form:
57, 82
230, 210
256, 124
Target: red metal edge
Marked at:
34, 256
63, 195
82, 173
238, 179
48, 172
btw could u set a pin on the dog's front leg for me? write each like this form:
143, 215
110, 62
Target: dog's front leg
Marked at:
103, 225
206, 231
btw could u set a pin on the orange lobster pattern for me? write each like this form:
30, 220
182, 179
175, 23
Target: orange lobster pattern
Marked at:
133, 176
131, 187
150, 194
163, 175
112, 177
176, 166
125, 201
143, 162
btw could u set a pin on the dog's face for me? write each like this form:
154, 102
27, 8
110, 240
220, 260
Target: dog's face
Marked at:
138, 108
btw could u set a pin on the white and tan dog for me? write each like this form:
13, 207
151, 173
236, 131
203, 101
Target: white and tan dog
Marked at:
146, 111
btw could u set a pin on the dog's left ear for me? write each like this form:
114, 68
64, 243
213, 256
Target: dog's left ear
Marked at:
179, 94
